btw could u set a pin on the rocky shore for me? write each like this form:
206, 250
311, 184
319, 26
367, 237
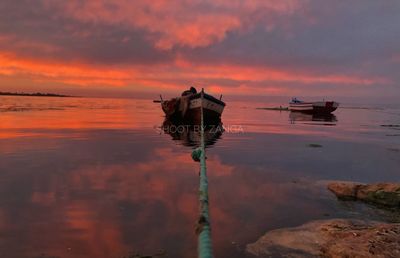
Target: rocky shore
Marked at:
339, 237
382, 194
330, 238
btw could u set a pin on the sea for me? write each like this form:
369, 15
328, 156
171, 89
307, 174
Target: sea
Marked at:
110, 178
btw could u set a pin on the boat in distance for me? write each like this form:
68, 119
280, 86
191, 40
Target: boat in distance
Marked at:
317, 107
187, 107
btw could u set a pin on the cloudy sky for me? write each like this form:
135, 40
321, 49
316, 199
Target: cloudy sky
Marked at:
242, 47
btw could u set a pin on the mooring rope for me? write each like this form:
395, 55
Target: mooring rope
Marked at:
203, 225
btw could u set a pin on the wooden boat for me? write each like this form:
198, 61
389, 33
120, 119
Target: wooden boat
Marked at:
318, 107
187, 107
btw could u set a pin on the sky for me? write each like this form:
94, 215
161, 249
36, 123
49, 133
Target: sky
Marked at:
233, 47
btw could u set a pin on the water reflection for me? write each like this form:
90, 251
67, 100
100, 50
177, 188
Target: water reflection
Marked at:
93, 179
189, 135
320, 119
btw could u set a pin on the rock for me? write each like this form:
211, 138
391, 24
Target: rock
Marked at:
344, 190
315, 145
330, 238
386, 194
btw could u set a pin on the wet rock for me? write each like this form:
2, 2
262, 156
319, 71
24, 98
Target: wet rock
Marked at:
385, 194
390, 125
344, 190
315, 145
330, 238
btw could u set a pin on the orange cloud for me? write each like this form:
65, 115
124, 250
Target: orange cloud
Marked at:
76, 73
172, 77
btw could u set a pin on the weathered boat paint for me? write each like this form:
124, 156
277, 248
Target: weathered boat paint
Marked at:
187, 108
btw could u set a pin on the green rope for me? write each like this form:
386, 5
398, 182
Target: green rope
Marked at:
203, 226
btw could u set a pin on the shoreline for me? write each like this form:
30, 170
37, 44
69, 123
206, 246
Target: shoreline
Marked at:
339, 237
38, 94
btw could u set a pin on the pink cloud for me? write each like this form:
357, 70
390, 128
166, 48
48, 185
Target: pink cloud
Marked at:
182, 23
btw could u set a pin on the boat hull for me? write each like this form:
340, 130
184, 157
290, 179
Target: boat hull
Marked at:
322, 107
187, 109
211, 117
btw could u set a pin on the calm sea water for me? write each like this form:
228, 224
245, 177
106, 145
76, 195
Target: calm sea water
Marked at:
85, 177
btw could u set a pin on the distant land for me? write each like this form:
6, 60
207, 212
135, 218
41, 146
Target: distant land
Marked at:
37, 94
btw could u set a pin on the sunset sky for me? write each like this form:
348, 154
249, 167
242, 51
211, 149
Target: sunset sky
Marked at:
234, 47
